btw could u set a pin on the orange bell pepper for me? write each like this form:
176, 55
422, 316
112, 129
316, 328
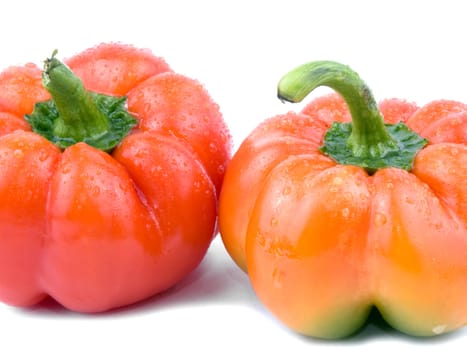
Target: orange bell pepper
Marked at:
103, 205
331, 212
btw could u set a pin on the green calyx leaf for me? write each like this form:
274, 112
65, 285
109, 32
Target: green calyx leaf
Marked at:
45, 116
400, 154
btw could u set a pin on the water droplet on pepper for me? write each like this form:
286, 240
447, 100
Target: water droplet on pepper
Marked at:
380, 219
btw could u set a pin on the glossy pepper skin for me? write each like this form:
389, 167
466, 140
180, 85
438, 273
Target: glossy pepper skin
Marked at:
98, 230
324, 242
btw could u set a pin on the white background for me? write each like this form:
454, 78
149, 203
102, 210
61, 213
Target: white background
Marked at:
238, 50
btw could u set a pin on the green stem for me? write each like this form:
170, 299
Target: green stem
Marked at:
79, 116
75, 114
369, 136
367, 141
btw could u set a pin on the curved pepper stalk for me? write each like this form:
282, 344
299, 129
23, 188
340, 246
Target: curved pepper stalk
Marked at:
366, 141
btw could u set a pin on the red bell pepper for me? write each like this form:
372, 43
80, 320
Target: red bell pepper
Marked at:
112, 196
